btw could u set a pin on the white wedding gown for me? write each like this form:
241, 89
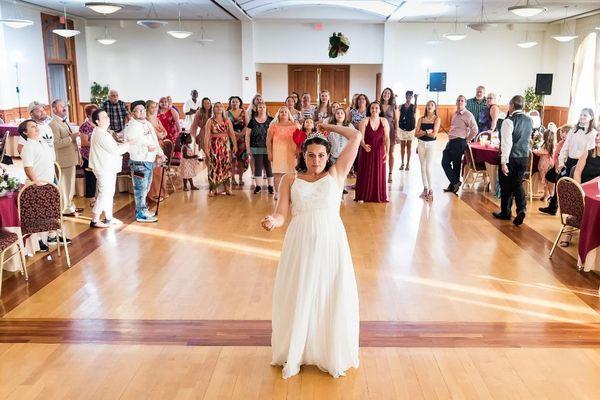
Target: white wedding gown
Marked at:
315, 300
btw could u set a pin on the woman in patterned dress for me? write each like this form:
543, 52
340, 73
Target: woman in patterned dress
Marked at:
237, 116
218, 133
169, 118
294, 112
280, 145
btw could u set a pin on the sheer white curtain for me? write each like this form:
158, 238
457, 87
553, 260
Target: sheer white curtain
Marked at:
585, 86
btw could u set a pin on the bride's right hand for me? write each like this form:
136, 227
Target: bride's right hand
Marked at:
268, 223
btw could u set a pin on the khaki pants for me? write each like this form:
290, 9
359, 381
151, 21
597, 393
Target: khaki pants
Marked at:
67, 188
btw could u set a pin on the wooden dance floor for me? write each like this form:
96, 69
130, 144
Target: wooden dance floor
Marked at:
453, 304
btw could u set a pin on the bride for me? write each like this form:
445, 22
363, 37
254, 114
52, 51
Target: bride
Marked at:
315, 300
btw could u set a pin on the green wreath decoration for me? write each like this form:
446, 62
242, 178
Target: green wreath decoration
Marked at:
338, 45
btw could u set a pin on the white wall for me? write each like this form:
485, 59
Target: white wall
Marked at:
23, 45
298, 42
490, 58
148, 64
275, 80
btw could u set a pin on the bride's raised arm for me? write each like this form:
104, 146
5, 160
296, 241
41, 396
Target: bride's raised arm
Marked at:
344, 162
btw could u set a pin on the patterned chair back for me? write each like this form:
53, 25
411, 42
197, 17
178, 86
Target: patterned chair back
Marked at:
571, 200
39, 208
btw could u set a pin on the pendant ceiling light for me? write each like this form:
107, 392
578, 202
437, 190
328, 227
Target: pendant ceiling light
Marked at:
527, 44
179, 34
66, 33
435, 39
107, 39
565, 35
203, 40
483, 23
104, 8
528, 10
17, 21
455, 36
152, 21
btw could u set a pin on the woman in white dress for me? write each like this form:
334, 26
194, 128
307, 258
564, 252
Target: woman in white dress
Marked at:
315, 300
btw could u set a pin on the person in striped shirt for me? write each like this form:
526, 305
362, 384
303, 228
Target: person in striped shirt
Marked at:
477, 104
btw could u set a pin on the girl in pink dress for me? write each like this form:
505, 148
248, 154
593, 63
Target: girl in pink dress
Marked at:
280, 144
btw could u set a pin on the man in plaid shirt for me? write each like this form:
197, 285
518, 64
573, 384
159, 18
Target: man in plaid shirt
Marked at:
116, 110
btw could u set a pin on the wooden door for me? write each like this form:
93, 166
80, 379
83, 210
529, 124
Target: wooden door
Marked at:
61, 65
336, 79
314, 78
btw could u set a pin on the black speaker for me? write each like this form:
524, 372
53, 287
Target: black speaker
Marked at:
437, 82
543, 84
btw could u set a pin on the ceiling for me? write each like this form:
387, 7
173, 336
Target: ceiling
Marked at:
367, 10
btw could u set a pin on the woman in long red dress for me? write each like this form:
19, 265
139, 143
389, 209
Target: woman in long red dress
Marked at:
370, 179
169, 118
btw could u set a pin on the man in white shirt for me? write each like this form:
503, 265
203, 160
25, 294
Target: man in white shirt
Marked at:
190, 107
38, 160
143, 152
38, 114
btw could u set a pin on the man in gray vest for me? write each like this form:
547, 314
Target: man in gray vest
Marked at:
514, 152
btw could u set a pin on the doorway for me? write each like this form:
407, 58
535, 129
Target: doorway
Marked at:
313, 79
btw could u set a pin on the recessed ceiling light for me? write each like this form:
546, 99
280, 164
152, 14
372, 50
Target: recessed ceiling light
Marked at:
104, 8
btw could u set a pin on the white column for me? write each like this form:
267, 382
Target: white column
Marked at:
248, 65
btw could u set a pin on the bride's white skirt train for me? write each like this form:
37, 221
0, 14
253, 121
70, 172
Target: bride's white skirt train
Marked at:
315, 299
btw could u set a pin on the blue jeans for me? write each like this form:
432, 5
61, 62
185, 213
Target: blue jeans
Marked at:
141, 173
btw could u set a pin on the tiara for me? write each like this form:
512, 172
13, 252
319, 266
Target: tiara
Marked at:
316, 135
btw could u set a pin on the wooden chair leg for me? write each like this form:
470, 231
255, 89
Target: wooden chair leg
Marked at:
1, 268
562, 228
64, 240
21, 248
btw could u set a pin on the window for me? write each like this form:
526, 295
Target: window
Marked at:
583, 93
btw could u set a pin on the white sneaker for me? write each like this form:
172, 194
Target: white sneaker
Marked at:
113, 222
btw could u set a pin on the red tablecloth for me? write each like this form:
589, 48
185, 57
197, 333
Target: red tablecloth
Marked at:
9, 214
9, 129
589, 234
490, 155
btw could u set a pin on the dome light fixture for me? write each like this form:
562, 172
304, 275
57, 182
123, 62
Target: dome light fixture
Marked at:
565, 36
528, 10
483, 23
179, 34
66, 33
527, 44
107, 39
202, 40
104, 8
455, 36
152, 21
18, 21
435, 39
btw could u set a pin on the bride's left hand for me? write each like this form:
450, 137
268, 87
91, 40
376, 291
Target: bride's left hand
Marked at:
268, 223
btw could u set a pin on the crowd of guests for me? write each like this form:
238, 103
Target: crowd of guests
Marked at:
115, 137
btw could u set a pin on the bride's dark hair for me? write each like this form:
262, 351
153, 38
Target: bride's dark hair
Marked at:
301, 166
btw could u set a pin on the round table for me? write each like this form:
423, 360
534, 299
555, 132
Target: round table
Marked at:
589, 233
487, 154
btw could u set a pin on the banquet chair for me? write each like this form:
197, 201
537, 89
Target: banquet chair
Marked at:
40, 210
528, 176
571, 200
7, 241
475, 170
169, 149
